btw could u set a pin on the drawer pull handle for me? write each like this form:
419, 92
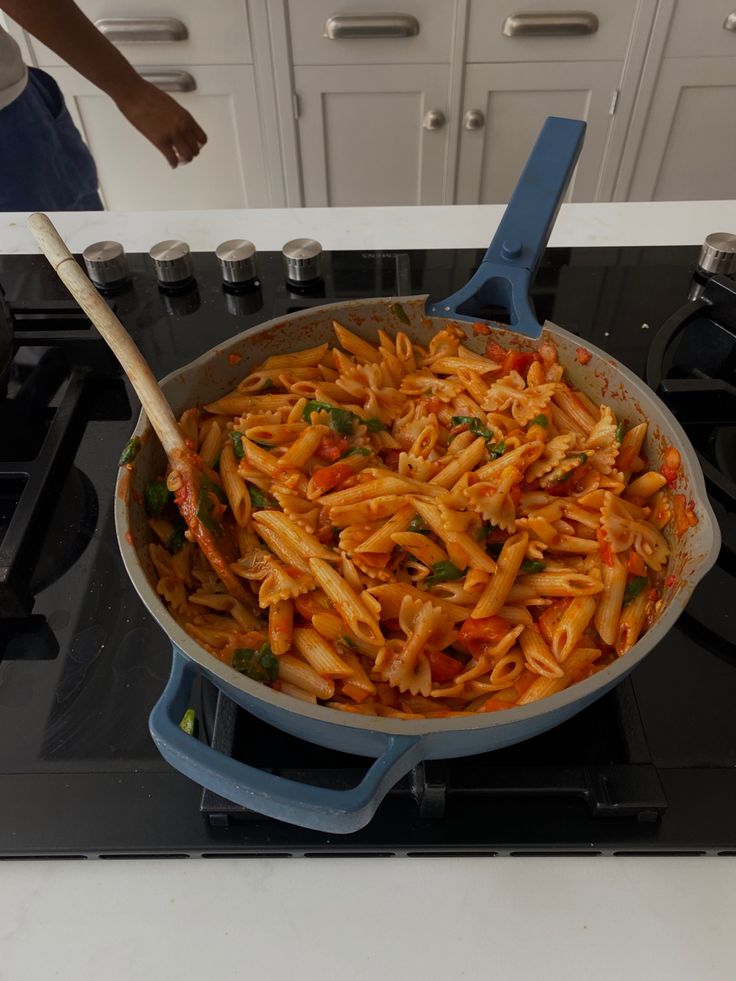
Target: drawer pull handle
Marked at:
729, 23
135, 30
340, 27
170, 80
563, 23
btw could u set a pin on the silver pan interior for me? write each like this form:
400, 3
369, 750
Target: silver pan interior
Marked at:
603, 379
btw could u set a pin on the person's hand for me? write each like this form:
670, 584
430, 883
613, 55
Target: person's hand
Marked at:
161, 119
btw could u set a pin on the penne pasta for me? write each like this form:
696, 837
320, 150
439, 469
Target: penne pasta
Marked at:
421, 531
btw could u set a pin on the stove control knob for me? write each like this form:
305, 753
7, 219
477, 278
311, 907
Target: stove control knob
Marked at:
106, 264
237, 258
302, 260
172, 261
718, 254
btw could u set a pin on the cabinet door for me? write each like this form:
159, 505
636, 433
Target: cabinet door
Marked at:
362, 137
688, 147
515, 100
134, 176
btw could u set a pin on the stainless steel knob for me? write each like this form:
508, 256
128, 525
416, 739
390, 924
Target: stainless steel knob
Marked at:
106, 264
172, 261
473, 119
302, 260
237, 258
718, 254
434, 119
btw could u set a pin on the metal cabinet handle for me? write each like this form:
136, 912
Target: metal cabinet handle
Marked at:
562, 23
434, 119
170, 79
729, 23
134, 30
342, 26
473, 119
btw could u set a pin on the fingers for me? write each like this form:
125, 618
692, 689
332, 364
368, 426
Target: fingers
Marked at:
188, 141
167, 148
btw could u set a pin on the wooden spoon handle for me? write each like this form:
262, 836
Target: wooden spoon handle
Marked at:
121, 343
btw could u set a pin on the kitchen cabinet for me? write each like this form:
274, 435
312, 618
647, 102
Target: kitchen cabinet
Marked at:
688, 149
514, 100
372, 135
229, 173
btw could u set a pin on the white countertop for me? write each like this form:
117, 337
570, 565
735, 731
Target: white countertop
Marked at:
383, 918
466, 226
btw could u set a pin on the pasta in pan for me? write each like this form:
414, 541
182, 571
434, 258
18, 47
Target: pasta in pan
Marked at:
424, 531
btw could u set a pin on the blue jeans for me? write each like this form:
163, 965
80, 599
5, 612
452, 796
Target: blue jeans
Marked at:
44, 164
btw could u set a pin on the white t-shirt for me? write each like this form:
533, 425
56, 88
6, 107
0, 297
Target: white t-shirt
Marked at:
13, 72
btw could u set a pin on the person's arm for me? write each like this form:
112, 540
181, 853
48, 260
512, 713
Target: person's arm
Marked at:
62, 26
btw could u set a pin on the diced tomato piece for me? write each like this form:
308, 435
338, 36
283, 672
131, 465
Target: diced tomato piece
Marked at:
481, 329
518, 361
485, 632
432, 404
234, 358
605, 546
636, 565
391, 459
670, 581
444, 668
582, 355
670, 465
331, 447
494, 352
329, 477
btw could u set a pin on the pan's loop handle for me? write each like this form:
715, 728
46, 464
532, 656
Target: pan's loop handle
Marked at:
508, 267
333, 811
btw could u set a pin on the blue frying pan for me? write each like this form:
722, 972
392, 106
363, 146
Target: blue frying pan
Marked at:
502, 280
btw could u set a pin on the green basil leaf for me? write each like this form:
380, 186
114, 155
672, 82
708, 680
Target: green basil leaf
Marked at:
237, 440
348, 642
496, 449
374, 425
205, 504
356, 451
176, 538
268, 384
620, 431
540, 420
483, 532
260, 665
634, 587
188, 722
313, 406
343, 421
156, 495
583, 457
444, 571
530, 565
418, 524
259, 499
130, 451
400, 313
474, 424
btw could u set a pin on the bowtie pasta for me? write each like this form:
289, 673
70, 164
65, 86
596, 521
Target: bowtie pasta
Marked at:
419, 532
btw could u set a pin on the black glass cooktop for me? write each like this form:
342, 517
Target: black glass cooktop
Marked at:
649, 769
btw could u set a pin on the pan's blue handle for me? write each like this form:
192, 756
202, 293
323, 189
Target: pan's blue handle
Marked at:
335, 811
505, 275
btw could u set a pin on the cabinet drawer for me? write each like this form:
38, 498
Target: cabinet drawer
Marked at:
697, 29
420, 32
220, 39
547, 30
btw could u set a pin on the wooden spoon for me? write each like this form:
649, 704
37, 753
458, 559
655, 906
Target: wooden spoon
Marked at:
194, 482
